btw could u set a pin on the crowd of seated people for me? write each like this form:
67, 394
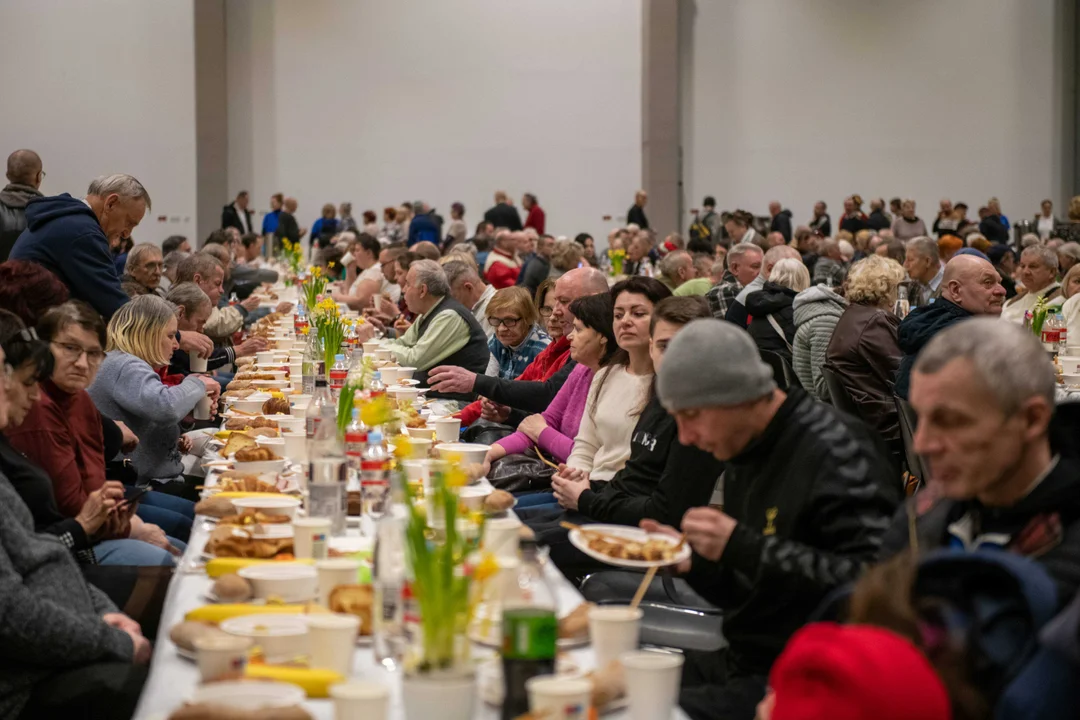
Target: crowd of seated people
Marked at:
662, 398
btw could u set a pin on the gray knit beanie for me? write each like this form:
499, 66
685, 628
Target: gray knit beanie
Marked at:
712, 363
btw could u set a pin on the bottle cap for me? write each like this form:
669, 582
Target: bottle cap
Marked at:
339, 356
375, 436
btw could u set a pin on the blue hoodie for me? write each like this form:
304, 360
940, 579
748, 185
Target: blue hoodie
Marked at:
63, 235
917, 329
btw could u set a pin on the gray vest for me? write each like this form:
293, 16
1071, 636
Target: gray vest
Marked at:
473, 357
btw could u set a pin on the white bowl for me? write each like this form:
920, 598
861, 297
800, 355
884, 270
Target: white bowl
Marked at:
389, 376
288, 423
371, 346
469, 452
260, 466
1070, 364
402, 393
472, 496
301, 400
249, 405
275, 370
1071, 379
281, 637
283, 505
424, 433
249, 695
277, 444
292, 582
266, 357
420, 448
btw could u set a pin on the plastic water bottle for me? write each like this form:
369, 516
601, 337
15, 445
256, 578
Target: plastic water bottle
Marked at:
529, 631
902, 306
356, 366
356, 437
1051, 332
375, 477
338, 373
376, 388
320, 400
1063, 336
310, 367
388, 573
327, 466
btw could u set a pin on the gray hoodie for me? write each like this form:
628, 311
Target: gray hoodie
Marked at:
817, 310
50, 617
127, 388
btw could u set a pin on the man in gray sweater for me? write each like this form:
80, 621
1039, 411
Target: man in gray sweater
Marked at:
65, 650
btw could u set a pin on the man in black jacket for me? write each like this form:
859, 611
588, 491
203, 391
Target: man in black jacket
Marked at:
781, 220
807, 495
984, 394
287, 228
237, 215
503, 214
636, 214
24, 174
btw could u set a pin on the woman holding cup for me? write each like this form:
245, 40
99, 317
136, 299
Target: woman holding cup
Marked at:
132, 385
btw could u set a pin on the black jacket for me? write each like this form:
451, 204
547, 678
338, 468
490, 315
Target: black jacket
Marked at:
287, 227
878, 220
994, 230
822, 225
782, 224
916, 330
661, 480
854, 223
529, 397
504, 215
13, 200
636, 215
772, 300
230, 217
813, 496
1058, 493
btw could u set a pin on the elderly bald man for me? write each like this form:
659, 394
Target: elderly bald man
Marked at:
24, 174
525, 398
969, 286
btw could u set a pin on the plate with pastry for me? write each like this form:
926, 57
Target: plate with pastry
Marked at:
627, 546
258, 459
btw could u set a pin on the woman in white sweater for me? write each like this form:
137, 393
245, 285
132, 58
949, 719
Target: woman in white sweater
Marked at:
619, 392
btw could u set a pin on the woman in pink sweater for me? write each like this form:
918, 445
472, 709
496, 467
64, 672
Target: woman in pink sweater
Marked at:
591, 343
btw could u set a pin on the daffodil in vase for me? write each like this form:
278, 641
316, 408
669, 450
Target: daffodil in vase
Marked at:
616, 256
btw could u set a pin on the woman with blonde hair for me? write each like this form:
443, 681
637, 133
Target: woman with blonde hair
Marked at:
1070, 288
132, 386
565, 256
772, 310
864, 351
518, 337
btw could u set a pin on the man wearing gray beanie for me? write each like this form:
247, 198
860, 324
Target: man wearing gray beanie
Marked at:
807, 495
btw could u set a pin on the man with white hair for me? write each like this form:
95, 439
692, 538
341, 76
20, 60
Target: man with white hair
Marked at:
924, 267
736, 313
142, 272
830, 270
676, 268
469, 289
780, 222
984, 394
444, 333
71, 237
503, 266
636, 214
744, 261
503, 214
1038, 274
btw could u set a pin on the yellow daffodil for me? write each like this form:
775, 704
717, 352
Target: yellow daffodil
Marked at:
330, 264
488, 567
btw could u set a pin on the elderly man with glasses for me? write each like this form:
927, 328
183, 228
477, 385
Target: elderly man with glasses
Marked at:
142, 272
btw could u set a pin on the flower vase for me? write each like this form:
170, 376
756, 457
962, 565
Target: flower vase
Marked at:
616, 266
442, 694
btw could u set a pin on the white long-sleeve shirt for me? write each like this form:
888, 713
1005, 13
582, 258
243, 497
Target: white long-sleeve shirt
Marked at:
602, 445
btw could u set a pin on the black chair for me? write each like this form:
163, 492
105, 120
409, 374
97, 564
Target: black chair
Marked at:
841, 398
783, 373
673, 615
908, 421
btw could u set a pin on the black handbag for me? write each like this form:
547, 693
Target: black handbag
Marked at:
121, 470
520, 473
486, 433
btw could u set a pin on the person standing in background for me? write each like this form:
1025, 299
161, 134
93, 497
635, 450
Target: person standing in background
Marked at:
347, 221
636, 214
879, 219
946, 222
325, 227
371, 223
1045, 222
536, 218
287, 228
503, 214
908, 225
236, 215
270, 219
456, 230
853, 219
781, 220
821, 223
24, 174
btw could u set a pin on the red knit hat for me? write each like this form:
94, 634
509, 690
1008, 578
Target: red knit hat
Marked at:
855, 672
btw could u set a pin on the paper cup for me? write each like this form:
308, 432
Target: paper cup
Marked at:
296, 446
556, 697
371, 346
360, 700
221, 655
447, 430
332, 640
203, 408
613, 630
334, 572
311, 535
419, 448
652, 683
196, 363
384, 354
266, 357
501, 537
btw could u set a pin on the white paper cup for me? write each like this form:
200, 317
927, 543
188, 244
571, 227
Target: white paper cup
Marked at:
384, 354
360, 700
652, 683
203, 408
311, 536
613, 630
196, 363
266, 357
332, 640
501, 537
557, 697
296, 369
287, 423
296, 446
447, 430
419, 448
333, 572
221, 655
371, 346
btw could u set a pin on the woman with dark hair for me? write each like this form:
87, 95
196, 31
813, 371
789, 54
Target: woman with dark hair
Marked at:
28, 290
592, 343
456, 230
393, 230
588, 248
371, 223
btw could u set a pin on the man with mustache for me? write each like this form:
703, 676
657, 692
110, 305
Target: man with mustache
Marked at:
970, 286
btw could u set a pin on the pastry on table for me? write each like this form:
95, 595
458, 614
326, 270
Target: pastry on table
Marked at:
255, 454
354, 600
237, 441
276, 406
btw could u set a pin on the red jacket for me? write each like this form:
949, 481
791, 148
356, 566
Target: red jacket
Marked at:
536, 219
502, 270
543, 366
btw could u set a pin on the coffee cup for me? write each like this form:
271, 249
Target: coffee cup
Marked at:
558, 697
652, 683
613, 630
311, 536
196, 363
221, 655
332, 639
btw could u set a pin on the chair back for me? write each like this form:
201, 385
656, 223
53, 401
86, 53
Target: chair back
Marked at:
783, 373
907, 436
841, 398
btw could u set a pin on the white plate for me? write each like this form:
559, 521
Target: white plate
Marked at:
249, 695
630, 533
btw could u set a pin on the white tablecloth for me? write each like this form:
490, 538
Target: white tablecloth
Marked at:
173, 678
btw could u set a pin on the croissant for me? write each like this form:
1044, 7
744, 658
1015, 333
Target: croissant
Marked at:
276, 406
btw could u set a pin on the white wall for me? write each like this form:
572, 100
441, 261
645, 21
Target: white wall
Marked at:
104, 87
803, 101
377, 103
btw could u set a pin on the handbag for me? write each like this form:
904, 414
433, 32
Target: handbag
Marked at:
520, 473
121, 470
486, 433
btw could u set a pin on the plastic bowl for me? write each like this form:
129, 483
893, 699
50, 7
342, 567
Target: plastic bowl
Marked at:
469, 452
292, 582
283, 505
281, 637
249, 695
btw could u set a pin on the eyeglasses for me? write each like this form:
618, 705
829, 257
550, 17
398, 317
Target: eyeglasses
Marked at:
72, 353
546, 311
508, 322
